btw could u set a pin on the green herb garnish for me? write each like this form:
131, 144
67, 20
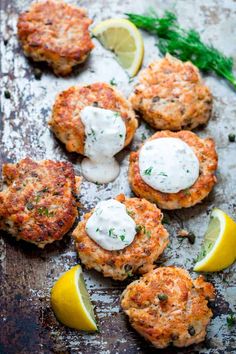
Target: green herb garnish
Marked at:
162, 174
231, 320
162, 297
45, 211
130, 212
185, 44
113, 82
122, 237
148, 171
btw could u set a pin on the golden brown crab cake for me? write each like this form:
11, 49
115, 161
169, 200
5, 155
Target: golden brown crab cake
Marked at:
206, 154
167, 307
150, 241
171, 95
37, 203
57, 33
66, 122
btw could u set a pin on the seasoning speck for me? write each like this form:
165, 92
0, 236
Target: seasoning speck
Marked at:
231, 138
37, 74
191, 330
7, 94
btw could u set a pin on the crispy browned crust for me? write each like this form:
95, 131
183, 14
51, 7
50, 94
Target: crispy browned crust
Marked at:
207, 156
171, 95
138, 257
172, 321
37, 203
66, 122
57, 33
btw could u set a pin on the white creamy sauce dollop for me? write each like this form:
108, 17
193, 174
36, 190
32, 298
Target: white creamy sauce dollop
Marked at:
105, 133
110, 226
168, 165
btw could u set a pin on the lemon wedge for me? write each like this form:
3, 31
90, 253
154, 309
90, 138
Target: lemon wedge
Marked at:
219, 248
71, 303
124, 39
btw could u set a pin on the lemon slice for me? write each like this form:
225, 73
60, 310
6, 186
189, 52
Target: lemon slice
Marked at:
71, 303
124, 39
219, 248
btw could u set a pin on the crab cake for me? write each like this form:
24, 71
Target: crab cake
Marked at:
66, 120
149, 242
192, 173
167, 307
171, 95
37, 203
57, 33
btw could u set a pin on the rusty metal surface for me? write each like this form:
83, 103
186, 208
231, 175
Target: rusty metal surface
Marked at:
27, 274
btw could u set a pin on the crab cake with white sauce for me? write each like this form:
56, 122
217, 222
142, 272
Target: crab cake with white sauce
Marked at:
95, 121
174, 170
66, 115
37, 203
121, 237
167, 307
171, 95
57, 33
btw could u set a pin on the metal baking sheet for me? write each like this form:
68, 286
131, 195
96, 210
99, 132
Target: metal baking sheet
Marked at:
27, 273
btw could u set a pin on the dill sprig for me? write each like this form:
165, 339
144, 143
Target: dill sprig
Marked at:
185, 44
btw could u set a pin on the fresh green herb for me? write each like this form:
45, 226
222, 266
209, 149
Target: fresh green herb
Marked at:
148, 171
113, 82
130, 212
7, 94
120, 135
116, 114
122, 237
143, 137
97, 229
186, 192
185, 44
162, 297
231, 320
37, 74
45, 211
162, 174
138, 228
142, 228
111, 233
37, 198
93, 134
231, 137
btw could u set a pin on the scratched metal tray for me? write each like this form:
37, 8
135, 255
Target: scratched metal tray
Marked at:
27, 273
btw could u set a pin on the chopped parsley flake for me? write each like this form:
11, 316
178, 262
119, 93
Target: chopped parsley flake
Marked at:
45, 211
231, 320
130, 212
142, 228
148, 171
113, 82
122, 237
162, 174
93, 134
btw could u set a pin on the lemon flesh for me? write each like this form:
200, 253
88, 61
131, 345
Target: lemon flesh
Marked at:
124, 39
71, 303
219, 248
